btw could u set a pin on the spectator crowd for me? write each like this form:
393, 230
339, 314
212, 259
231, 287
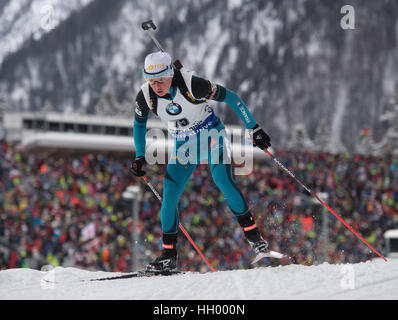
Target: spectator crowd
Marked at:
49, 205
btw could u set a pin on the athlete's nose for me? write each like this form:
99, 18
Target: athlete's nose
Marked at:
158, 86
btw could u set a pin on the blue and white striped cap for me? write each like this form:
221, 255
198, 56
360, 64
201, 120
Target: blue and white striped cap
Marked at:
158, 64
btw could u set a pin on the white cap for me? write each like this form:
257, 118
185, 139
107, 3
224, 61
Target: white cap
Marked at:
158, 64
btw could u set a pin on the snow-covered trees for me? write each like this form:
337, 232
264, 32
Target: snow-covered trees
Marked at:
366, 145
389, 142
108, 105
300, 140
324, 141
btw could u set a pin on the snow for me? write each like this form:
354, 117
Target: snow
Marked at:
232, 4
341, 106
21, 19
265, 27
372, 280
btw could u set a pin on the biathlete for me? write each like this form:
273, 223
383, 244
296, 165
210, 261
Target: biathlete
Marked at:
179, 98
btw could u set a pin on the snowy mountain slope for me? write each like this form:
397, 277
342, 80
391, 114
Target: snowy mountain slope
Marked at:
290, 61
375, 279
22, 19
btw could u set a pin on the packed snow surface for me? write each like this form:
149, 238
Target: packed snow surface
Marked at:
375, 279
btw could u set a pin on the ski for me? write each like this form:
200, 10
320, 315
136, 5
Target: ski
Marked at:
138, 274
268, 254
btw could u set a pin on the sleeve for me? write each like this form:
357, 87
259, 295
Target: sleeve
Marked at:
141, 108
202, 88
140, 120
240, 108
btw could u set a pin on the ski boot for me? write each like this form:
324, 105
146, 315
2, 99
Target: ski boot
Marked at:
253, 236
256, 241
167, 261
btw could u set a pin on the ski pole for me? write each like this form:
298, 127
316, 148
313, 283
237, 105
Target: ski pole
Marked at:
147, 26
180, 225
322, 202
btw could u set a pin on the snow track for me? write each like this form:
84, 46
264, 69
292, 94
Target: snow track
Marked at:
370, 280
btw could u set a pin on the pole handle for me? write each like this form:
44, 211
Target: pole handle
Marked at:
146, 25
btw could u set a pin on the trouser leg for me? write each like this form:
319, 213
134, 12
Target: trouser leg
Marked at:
174, 182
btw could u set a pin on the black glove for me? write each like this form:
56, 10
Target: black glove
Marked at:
260, 138
136, 167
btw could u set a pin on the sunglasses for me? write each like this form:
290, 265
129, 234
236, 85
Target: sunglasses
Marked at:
159, 80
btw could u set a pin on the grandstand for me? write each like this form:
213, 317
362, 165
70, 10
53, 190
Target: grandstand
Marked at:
71, 173
55, 132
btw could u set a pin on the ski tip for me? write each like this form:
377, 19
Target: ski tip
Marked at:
269, 254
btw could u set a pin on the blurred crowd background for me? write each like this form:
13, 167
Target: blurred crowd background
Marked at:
68, 210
